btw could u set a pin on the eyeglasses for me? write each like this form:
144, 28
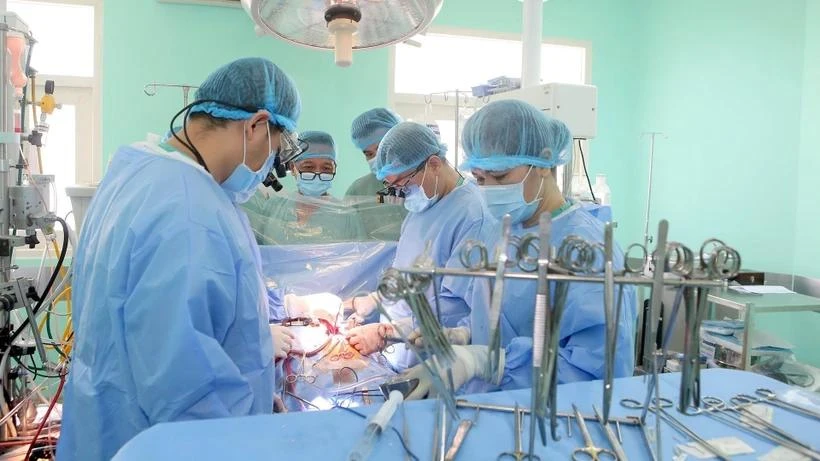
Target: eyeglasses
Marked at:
309, 176
404, 181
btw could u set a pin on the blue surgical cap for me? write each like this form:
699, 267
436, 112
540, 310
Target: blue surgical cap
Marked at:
405, 147
319, 145
251, 84
370, 127
506, 134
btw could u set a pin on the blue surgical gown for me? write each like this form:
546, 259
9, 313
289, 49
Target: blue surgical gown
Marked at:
170, 313
582, 330
456, 218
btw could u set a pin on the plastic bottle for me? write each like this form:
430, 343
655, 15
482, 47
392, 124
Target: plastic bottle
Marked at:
601, 189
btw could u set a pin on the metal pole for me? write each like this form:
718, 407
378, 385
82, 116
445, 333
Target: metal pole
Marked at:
621, 279
647, 239
6, 128
531, 42
458, 102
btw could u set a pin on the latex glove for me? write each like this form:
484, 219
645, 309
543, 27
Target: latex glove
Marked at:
471, 362
283, 340
369, 338
455, 336
361, 307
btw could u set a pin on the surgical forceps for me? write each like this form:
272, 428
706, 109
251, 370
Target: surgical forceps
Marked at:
494, 347
589, 450
722, 262
767, 396
740, 406
659, 411
301, 376
540, 336
521, 252
393, 286
717, 409
614, 440
611, 315
518, 454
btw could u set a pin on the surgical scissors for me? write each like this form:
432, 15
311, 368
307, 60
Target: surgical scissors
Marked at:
740, 405
589, 450
518, 454
716, 409
659, 411
767, 396
614, 441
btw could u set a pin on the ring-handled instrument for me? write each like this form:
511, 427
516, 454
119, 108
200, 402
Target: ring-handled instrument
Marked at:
660, 412
540, 336
589, 451
767, 396
518, 453
494, 347
614, 442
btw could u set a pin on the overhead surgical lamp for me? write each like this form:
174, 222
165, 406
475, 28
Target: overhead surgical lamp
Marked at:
342, 25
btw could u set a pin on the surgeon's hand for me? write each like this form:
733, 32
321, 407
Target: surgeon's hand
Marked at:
283, 341
471, 362
369, 338
361, 307
455, 336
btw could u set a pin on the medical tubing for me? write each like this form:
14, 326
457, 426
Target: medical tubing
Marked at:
584, 163
45, 417
50, 283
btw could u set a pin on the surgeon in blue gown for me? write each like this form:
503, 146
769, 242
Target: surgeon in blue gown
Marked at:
512, 150
170, 309
444, 210
309, 215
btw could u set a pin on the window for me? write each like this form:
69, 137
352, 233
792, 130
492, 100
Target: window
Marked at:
72, 61
68, 51
64, 34
426, 77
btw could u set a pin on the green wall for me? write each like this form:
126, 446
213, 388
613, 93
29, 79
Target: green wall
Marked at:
807, 259
722, 80
733, 84
147, 41
725, 81
186, 42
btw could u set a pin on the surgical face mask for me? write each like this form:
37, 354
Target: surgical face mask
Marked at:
312, 187
372, 164
241, 184
416, 200
509, 199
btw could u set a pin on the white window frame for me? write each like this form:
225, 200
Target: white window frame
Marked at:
393, 97
88, 166
443, 107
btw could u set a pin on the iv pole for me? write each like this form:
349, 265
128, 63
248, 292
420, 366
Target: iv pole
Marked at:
647, 239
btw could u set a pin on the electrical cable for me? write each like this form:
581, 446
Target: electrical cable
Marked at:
584, 163
35, 370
